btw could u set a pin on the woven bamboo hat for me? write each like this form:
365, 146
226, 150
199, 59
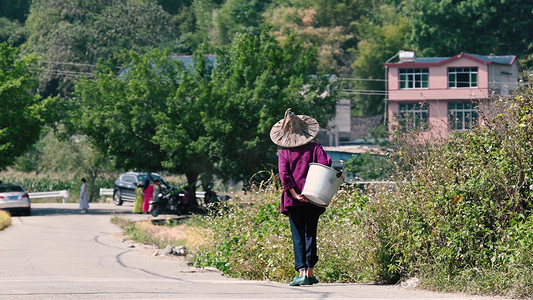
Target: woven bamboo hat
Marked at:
294, 130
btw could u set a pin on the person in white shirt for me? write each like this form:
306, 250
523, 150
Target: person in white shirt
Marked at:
84, 197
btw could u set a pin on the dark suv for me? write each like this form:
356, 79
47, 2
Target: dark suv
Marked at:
124, 187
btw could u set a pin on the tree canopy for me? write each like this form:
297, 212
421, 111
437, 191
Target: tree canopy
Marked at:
202, 120
445, 28
118, 112
71, 35
22, 113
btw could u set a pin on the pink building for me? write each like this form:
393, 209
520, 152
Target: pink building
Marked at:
436, 95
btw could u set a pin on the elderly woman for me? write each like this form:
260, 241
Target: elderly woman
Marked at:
295, 135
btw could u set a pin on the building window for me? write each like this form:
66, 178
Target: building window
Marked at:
462, 77
414, 78
462, 116
413, 116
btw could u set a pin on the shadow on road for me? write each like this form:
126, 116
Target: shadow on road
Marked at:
59, 209
47, 211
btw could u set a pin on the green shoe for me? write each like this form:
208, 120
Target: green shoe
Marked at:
300, 280
313, 280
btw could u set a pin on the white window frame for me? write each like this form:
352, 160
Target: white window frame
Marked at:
413, 116
416, 78
462, 115
462, 77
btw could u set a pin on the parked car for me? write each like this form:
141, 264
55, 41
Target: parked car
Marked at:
126, 184
14, 199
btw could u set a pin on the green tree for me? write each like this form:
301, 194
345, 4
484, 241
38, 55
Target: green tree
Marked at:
238, 16
369, 166
138, 26
181, 131
301, 22
14, 9
72, 35
442, 28
254, 82
218, 122
23, 110
56, 153
57, 32
381, 35
173, 7
118, 113
11, 32
201, 122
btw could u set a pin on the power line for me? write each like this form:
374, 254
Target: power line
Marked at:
66, 63
67, 73
361, 79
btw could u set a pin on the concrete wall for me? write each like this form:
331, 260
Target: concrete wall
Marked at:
339, 127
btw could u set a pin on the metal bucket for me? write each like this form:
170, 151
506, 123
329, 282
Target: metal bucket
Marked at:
321, 184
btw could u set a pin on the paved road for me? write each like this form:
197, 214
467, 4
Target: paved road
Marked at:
58, 253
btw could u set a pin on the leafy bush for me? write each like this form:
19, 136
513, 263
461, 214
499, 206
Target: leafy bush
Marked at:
250, 238
369, 166
462, 221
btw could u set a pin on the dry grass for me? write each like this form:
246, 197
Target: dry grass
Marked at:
5, 219
164, 234
176, 234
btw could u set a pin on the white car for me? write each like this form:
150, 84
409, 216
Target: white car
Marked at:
13, 198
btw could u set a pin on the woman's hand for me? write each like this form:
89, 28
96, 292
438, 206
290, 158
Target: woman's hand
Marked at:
297, 196
301, 198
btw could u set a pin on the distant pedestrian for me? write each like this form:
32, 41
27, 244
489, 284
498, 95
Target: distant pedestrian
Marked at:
295, 135
84, 197
147, 189
139, 198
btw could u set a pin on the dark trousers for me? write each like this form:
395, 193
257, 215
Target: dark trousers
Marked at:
304, 223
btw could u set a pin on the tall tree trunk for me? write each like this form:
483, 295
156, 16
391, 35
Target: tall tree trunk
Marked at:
192, 178
92, 174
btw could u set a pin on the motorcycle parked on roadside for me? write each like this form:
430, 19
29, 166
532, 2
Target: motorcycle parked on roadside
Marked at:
169, 203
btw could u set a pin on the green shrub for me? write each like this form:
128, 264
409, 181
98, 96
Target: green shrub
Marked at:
369, 166
462, 220
252, 239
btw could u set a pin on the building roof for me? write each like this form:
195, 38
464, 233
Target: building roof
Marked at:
434, 61
359, 149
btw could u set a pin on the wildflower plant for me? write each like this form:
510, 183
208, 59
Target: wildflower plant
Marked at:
251, 239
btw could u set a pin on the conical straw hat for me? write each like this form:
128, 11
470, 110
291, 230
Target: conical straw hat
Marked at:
294, 130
